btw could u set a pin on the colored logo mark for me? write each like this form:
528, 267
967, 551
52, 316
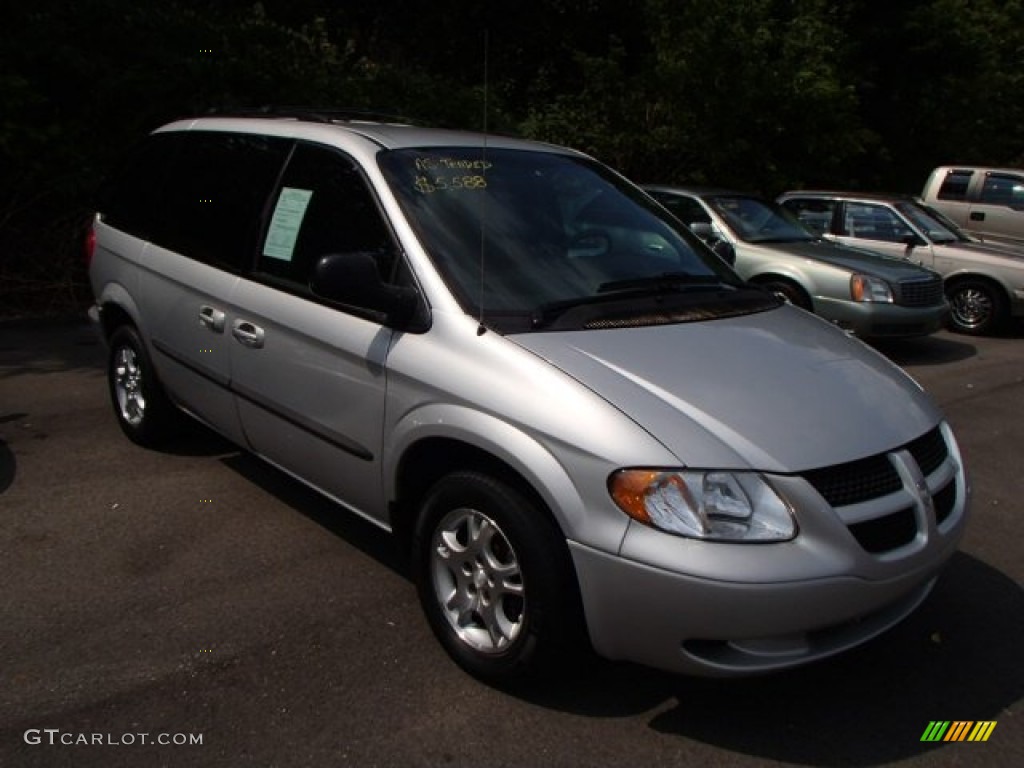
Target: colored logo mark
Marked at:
958, 730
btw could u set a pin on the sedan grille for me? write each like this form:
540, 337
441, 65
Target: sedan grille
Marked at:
920, 293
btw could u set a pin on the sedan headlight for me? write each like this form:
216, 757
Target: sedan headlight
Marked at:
867, 288
713, 505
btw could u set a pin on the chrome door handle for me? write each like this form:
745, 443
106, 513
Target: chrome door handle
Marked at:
248, 334
212, 318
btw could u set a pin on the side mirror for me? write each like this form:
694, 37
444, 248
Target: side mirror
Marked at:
725, 251
354, 280
911, 241
702, 229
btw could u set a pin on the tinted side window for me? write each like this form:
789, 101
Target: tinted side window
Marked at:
322, 206
874, 222
686, 209
816, 215
132, 198
1003, 189
216, 193
954, 186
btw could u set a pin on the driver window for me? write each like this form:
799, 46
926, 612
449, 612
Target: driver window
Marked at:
322, 206
874, 222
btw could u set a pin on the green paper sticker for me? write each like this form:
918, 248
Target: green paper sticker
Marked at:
284, 225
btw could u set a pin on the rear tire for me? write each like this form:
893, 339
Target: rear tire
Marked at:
977, 307
495, 579
143, 410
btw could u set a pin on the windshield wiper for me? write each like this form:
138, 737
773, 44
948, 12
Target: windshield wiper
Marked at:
666, 281
638, 287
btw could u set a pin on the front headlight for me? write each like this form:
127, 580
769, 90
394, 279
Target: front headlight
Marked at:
867, 288
712, 505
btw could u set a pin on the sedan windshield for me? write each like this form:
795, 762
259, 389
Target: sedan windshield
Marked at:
523, 237
937, 227
759, 221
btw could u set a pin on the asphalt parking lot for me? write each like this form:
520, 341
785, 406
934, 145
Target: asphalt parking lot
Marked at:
164, 596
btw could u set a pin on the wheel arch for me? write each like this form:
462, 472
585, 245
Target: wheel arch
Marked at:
117, 308
954, 279
428, 460
797, 280
459, 438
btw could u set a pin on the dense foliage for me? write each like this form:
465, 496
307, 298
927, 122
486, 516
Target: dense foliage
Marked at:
758, 94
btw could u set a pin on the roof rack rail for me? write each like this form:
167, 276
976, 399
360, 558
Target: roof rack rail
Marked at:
311, 114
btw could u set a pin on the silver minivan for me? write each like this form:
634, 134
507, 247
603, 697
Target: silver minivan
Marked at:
584, 426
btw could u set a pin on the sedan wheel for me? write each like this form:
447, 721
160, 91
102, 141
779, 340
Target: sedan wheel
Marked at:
976, 307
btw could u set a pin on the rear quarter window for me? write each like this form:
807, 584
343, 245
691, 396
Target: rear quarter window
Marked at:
131, 198
201, 194
214, 197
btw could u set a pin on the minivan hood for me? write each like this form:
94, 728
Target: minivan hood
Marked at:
853, 259
777, 391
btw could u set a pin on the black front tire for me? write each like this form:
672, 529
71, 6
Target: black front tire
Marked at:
143, 410
495, 580
977, 307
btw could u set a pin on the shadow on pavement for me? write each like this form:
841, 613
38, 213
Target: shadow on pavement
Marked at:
363, 535
48, 345
930, 350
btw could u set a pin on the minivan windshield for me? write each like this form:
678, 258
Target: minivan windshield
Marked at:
759, 221
526, 237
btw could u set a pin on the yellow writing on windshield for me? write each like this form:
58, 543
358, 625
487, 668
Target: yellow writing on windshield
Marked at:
450, 174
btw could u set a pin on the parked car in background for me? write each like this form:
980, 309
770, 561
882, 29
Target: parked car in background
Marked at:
862, 292
984, 280
987, 202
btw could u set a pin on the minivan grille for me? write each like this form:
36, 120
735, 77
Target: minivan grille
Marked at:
876, 476
920, 293
856, 481
929, 451
944, 500
885, 533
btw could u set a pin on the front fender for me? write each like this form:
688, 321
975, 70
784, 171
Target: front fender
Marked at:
594, 520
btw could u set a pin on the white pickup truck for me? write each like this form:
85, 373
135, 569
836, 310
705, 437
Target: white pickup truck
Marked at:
986, 202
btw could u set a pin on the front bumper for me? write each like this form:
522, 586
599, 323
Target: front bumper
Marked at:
696, 626
875, 320
729, 609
